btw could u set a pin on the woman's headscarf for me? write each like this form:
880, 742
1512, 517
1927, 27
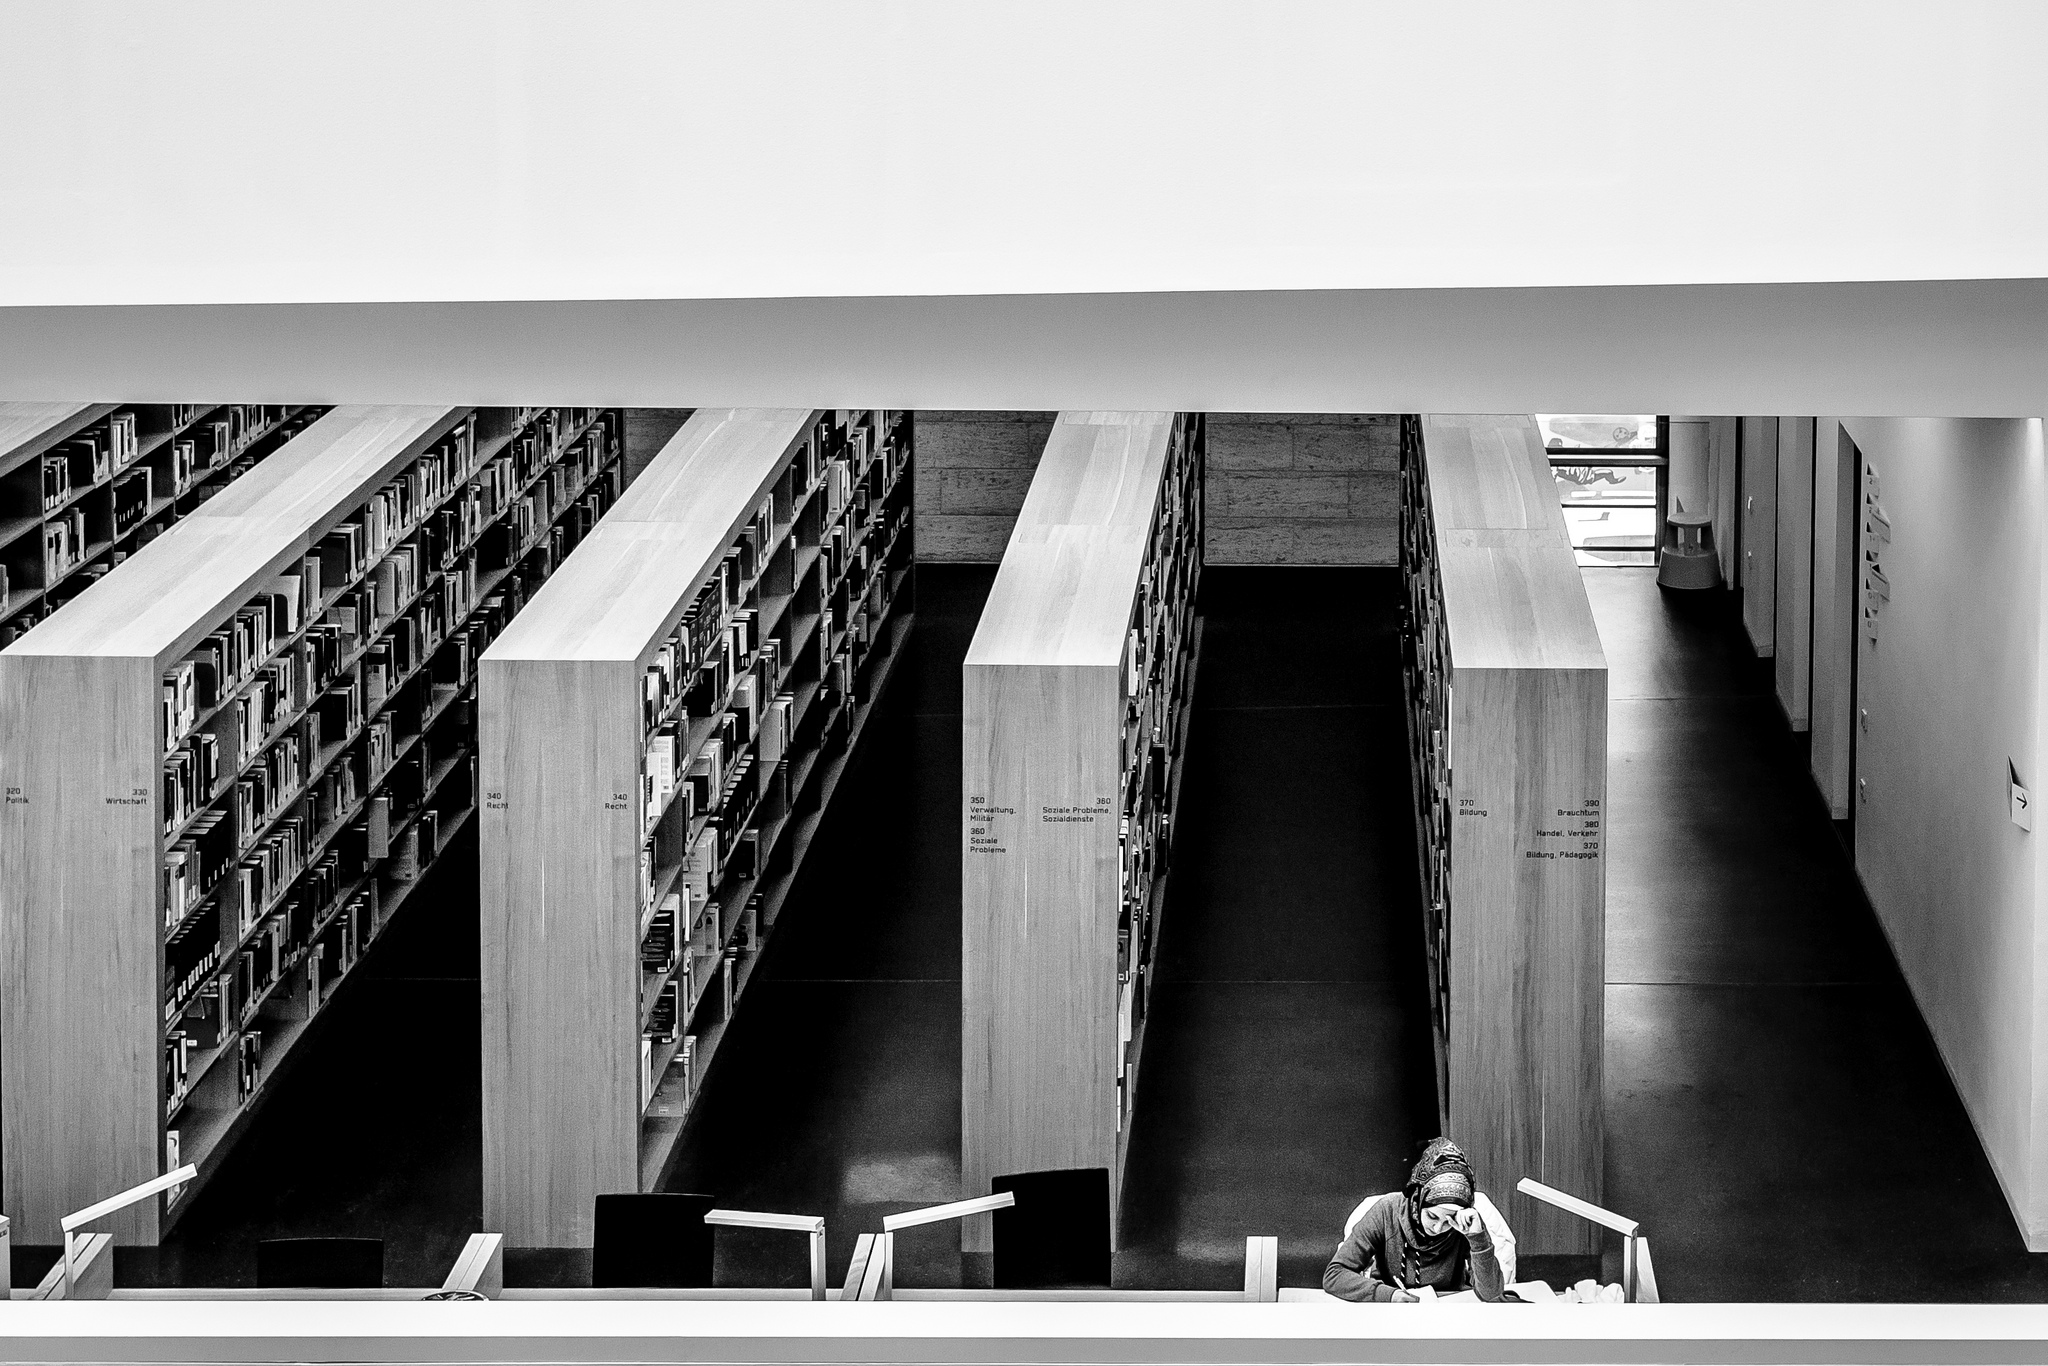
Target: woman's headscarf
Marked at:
1441, 1176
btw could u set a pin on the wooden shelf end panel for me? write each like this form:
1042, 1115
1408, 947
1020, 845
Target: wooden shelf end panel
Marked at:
559, 761
1040, 778
78, 860
1527, 953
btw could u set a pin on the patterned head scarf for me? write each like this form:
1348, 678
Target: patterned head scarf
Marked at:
1441, 1176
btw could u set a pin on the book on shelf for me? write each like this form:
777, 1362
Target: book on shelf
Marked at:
378, 828
748, 933
405, 855
248, 1063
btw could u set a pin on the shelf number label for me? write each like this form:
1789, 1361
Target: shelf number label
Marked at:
618, 801
984, 826
494, 801
15, 797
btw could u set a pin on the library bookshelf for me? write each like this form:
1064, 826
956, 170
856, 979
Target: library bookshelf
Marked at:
1506, 688
1075, 690
661, 731
85, 485
229, 762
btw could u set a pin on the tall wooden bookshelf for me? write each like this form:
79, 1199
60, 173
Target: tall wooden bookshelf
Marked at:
1507, 720
661, 732
229, 762
85, 485
1076, 690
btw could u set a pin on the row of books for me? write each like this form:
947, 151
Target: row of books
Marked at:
1426, 668
195, 864
551, 493
670, 1095
275, 936
715, 664
340, 701
1157, 673
715, 631
65, 546
131, 500
90, 458
292, 888
267, 870
189, 960
231, 657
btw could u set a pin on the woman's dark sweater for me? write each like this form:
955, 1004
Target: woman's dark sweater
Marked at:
1374, 1260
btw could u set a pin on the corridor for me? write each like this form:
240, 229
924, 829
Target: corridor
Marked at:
1777, 1115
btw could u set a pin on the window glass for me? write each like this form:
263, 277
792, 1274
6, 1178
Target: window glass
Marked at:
1598, 431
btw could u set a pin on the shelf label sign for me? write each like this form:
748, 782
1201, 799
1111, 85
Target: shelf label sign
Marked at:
1575, 830
985, 822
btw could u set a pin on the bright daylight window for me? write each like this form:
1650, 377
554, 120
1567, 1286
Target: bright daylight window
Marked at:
1610, 478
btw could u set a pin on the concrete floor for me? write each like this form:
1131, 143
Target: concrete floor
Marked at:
1778, 1117
1287, 1069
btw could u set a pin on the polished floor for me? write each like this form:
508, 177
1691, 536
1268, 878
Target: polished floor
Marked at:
1287, 1068
1778, 1117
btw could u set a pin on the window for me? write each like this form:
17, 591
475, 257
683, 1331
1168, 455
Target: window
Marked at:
1610, 472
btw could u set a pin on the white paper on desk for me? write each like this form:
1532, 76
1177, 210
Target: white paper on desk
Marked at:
1425, 1293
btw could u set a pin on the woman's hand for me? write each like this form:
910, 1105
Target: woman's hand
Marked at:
1468, 1222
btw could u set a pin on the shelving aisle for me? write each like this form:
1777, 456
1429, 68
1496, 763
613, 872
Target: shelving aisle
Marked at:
855, 1009
178, 919
1288, 1068
661, 733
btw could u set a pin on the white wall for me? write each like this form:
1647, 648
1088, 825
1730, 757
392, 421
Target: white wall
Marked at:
1758, 444
1953, 686
1794, 631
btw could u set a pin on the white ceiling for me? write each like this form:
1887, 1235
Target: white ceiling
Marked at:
1373, 205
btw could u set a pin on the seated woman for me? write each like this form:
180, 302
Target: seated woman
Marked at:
1430, 1233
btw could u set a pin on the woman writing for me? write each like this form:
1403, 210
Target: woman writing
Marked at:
1429, 1233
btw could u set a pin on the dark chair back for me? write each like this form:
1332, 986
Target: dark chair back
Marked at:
655, 1241
320, 1264
1057, 1234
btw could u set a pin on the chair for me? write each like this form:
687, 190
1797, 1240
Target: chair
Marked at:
320, 1264
655, 1241
1057, 1234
